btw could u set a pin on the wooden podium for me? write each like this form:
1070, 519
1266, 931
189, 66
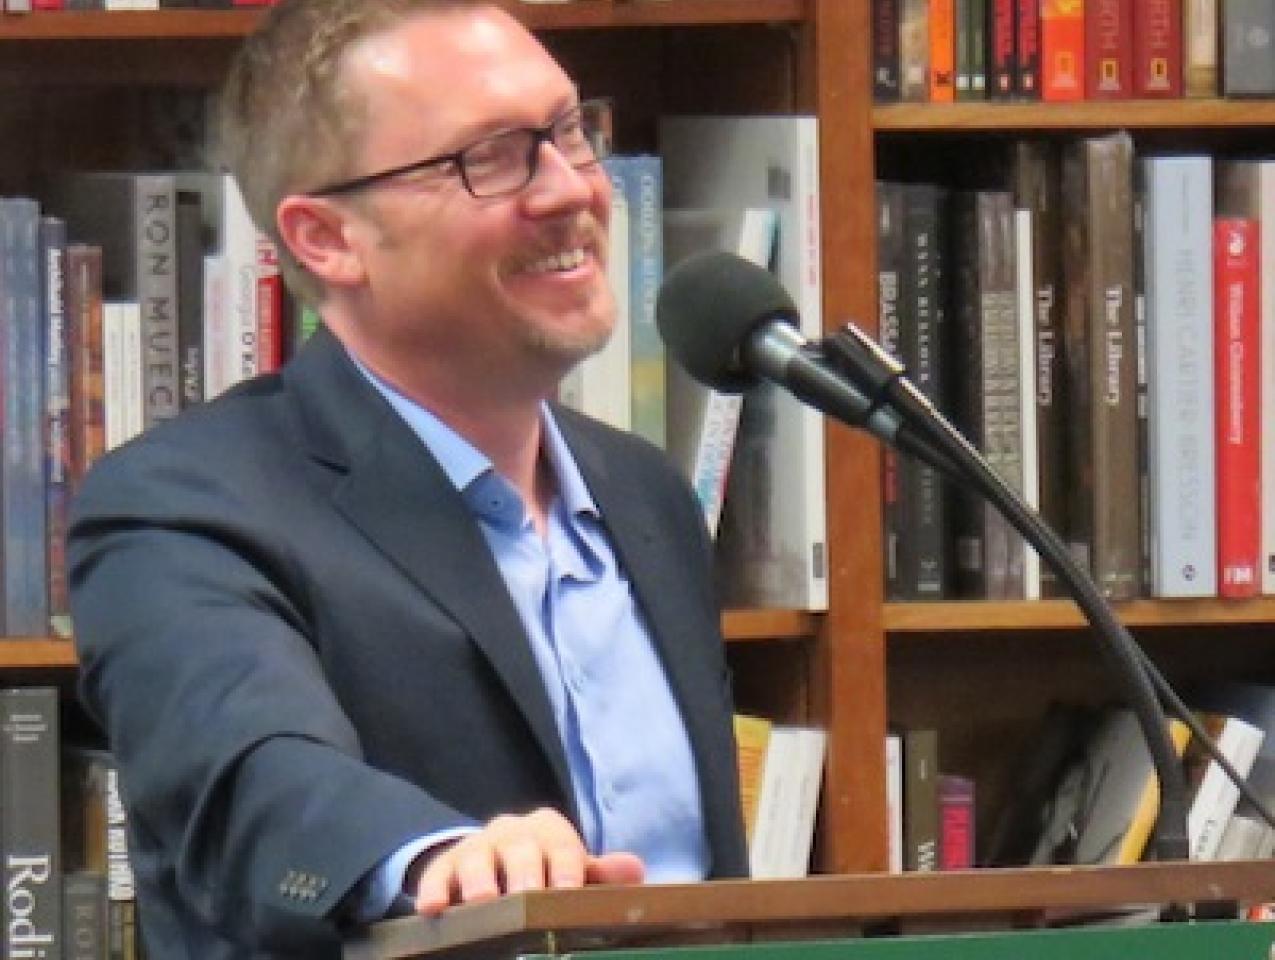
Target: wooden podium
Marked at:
768, 913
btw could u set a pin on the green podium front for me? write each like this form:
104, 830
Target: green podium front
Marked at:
1211, 940
991, 914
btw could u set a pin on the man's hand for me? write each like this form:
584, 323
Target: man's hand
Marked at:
515, 853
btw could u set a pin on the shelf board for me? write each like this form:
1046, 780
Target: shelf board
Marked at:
36, 653
1130, 114
905, 618
214, 24
745, 625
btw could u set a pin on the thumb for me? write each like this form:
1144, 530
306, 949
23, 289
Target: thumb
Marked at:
615, 867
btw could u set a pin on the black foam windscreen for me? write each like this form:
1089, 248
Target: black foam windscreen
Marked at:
708, 306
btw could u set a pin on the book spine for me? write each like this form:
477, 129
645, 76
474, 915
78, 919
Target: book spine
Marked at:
1027, 49
914, 50
1002, 64
894, 801
1248, 48
84, 315
942, 51
1062, 46
920, 800
1236, 345
1157, 48
644, 188
1026, 558
57, 418
84, 916
269, 307
156, 240
963, 54
885, 50
921, 489
1117, 535
29, 829
956, 822
1200, 47
978, 49
891, 271
190, 297
1177, 251
1108, 49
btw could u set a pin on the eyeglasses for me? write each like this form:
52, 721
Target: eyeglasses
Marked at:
506, 162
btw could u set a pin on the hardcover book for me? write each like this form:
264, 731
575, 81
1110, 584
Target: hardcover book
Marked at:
772, 542
1200, 47
1062, 49
1108, 49
57, 417
1104, 519
29, 828
1246, 188
1237, 370
885, 50
1248, 48
914, 50
1177, 253
1157, 48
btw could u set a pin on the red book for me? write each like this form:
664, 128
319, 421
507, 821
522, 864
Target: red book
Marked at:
1236, 363
1001, 64
956, 822
269, 307
1027, 44
47, 4
1157, 48
1062, 49
1109, 49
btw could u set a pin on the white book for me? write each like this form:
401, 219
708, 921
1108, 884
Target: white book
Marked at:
1177, 253
1216, 796
772, 545
894, 801
600, 385
1025, 295
1246, 837
702, 422
787, 803
132, 383
231, 338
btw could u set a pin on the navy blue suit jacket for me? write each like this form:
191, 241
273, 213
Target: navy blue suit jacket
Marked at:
303, 653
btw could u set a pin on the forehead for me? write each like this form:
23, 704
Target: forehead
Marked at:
462, 67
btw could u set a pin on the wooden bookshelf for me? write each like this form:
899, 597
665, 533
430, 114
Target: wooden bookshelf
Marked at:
901, 618
36, 653
1026, 117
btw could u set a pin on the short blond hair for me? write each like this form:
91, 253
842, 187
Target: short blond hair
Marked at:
286, 122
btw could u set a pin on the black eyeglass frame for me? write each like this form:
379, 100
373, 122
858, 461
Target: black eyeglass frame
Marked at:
599, 140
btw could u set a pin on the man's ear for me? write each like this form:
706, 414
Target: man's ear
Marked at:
317, 232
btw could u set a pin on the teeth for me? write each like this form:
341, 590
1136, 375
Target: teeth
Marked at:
566, 260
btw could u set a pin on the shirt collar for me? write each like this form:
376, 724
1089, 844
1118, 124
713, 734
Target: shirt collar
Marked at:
463, 463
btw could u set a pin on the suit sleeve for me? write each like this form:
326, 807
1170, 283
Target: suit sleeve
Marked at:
242, 772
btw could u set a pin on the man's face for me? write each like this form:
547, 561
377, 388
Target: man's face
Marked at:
510, 286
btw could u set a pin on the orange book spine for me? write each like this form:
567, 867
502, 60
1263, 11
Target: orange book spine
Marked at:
942, 51
1062, 46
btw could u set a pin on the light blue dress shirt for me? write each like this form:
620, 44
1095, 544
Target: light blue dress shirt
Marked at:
632, 772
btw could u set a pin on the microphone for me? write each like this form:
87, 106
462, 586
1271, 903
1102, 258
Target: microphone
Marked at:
729, 321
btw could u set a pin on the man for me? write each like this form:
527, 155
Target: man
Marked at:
388, 631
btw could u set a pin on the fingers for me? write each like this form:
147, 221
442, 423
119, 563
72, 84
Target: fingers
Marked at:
516, 853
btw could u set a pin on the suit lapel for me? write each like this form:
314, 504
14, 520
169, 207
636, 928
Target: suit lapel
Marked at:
402, 501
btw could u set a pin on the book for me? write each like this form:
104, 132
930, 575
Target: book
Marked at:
190, 296
1027, 581
84, 932
1027, 53
1246, 836
600, 384
1108, 49
771, 547
892, 268
57, 418
703, 422
752, 738
29, 828
1213, 794
133, 217
1157, 48
1246, 188
1236, 376
920, 799
942, 51
1177, 253
1100, 344
956, 822
1200, 47
1062, 49
1247, 35
641, 177
1002, 62
1035, 183
914, 50
84, 320
885, 50
787, 802
23, 502
894, 801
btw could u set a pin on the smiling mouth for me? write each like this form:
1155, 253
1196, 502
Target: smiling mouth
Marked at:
558, 262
